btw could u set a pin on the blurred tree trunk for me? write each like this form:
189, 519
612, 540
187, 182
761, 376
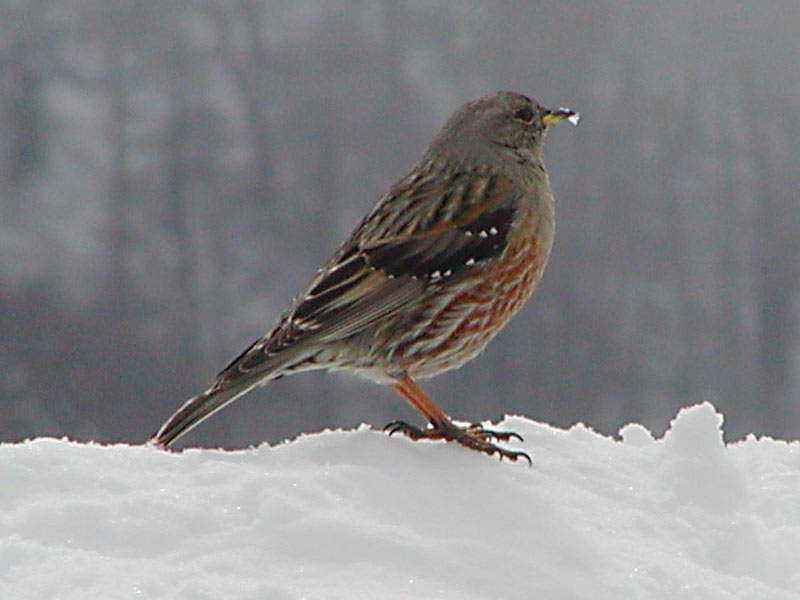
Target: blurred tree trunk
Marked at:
120, 298
244, 52
179, 203
27, 118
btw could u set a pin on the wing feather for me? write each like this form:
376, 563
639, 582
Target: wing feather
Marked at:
371, 280
390, 261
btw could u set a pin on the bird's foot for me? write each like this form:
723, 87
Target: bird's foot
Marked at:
474, 436
491, 434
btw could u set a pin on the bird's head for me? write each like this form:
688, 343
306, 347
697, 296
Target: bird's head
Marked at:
496, 124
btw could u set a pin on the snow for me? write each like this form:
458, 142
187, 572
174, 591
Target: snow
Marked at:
357, 514
574, 117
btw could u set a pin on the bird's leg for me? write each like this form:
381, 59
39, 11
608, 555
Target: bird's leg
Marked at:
442, 428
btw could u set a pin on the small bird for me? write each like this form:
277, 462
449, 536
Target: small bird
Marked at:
433, 272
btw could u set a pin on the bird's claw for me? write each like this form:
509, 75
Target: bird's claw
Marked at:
410, 431
474, 436
491, 434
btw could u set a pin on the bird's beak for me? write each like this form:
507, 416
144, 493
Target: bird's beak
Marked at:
554, 116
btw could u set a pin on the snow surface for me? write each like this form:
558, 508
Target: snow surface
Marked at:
574, 118
356, 514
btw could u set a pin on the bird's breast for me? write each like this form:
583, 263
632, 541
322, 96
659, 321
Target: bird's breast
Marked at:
460, 323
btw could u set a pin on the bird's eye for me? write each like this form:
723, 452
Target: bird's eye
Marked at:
524, 114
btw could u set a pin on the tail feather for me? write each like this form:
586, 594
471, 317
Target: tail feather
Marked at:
196, 410
250, 369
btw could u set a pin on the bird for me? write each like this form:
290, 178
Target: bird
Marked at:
430, 275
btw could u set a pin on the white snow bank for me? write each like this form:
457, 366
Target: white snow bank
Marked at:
356, 514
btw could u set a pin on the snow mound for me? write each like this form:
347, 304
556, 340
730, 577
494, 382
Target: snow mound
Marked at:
356, 514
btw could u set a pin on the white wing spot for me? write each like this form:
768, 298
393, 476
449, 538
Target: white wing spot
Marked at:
493, 231
447, 273
435, 275
468, 233
304, 324
470, 261
483, 234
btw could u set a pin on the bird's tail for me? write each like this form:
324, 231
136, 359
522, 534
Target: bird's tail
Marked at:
197, 409
250, 369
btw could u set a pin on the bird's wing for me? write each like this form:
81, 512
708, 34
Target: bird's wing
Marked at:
388, 263
381, 270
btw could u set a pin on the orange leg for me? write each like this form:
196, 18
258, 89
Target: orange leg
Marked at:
409, 390
442, 428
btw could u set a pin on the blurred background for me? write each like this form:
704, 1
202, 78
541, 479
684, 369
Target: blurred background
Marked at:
172, 173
